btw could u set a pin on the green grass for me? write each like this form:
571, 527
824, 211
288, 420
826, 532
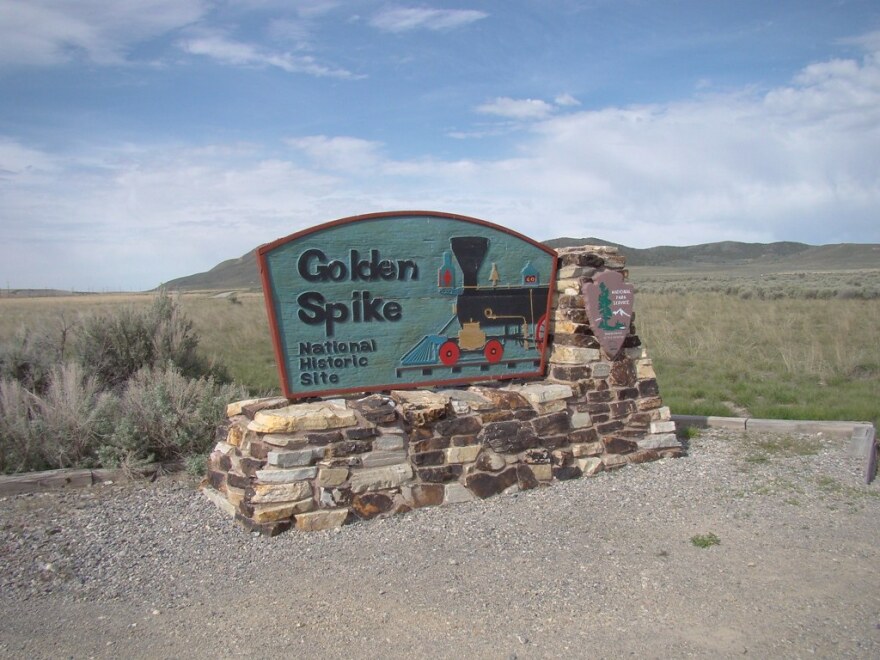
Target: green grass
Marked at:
705, 540
787, 359
714, 354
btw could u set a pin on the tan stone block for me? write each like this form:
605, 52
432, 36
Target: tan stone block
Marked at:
650, 403
274, 512
455, 493
286, 476
380, 478
544, 392
421, 407
217, 499
580, 420
266, 493
542, 471
663, 427
550, 407
462, 454
235, 435
645, 369
590, 466
664, 413
318, 416
329, 477
573, 355
585, 449
234, 495
235, 407
320, 520
287, 440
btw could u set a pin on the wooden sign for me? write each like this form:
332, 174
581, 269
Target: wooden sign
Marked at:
403, 300
609, 303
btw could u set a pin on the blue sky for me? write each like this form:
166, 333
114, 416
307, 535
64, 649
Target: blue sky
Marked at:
143, 140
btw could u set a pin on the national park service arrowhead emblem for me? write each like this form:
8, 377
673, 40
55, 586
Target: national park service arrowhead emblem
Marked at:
609, 302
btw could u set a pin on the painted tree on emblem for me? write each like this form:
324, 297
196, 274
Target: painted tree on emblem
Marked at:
605, 309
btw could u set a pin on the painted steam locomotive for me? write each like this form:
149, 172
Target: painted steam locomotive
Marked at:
488, 318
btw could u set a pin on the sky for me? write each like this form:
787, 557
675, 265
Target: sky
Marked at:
144, 140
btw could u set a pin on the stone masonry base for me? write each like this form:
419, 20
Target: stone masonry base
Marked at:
318, 465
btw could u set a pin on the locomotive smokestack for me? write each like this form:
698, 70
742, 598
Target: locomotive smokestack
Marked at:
469, 251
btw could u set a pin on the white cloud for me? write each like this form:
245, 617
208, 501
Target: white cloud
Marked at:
404, 19
49, 32
799, 162
228, 51
566, 101
338, 153
516, 108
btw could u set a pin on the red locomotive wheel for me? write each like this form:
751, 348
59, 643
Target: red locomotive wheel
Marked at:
541, 331
493, 351
449, 353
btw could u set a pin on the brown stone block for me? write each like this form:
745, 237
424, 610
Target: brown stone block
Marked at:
250, 466
259, 450
370, 505
617, 445
674, 452
490, 416
249, 410
623, 373
566, 301
437, 475
599, 397
347, 447
428, 458
376, 409
464, 440
421, 495
526, 478
567, 472
584, 435
537, 456
621, 409
570, 373
557, 422
508, 437
587, 449
361, 432
238, 480
582, 259
484, 484
632, 341
600, 418
642, 419
503, 399
649, 403
555, 441
430, 444
525, 414
217, 480
628, 394
643, 456
593, 408
609, 427
649, 387
322, 439
459, 426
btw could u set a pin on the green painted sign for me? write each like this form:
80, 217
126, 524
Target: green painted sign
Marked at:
403, 300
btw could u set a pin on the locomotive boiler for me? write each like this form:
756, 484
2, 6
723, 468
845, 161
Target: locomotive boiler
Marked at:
488, 318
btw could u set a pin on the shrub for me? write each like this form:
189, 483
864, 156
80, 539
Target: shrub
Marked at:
117, 346
61, 428
163, 415
28, 360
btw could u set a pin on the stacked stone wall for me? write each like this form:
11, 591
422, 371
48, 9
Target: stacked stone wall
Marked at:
318, 465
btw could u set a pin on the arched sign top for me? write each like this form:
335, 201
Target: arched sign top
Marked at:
405, 299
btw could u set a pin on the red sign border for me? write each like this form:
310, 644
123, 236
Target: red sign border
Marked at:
275, 330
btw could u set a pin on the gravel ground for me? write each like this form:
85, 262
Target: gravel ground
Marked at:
600, 567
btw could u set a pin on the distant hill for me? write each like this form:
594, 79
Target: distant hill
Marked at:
243, 273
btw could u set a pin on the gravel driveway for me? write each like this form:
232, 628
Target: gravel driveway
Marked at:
599, 567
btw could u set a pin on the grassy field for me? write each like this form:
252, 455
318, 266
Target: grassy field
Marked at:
714, 353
